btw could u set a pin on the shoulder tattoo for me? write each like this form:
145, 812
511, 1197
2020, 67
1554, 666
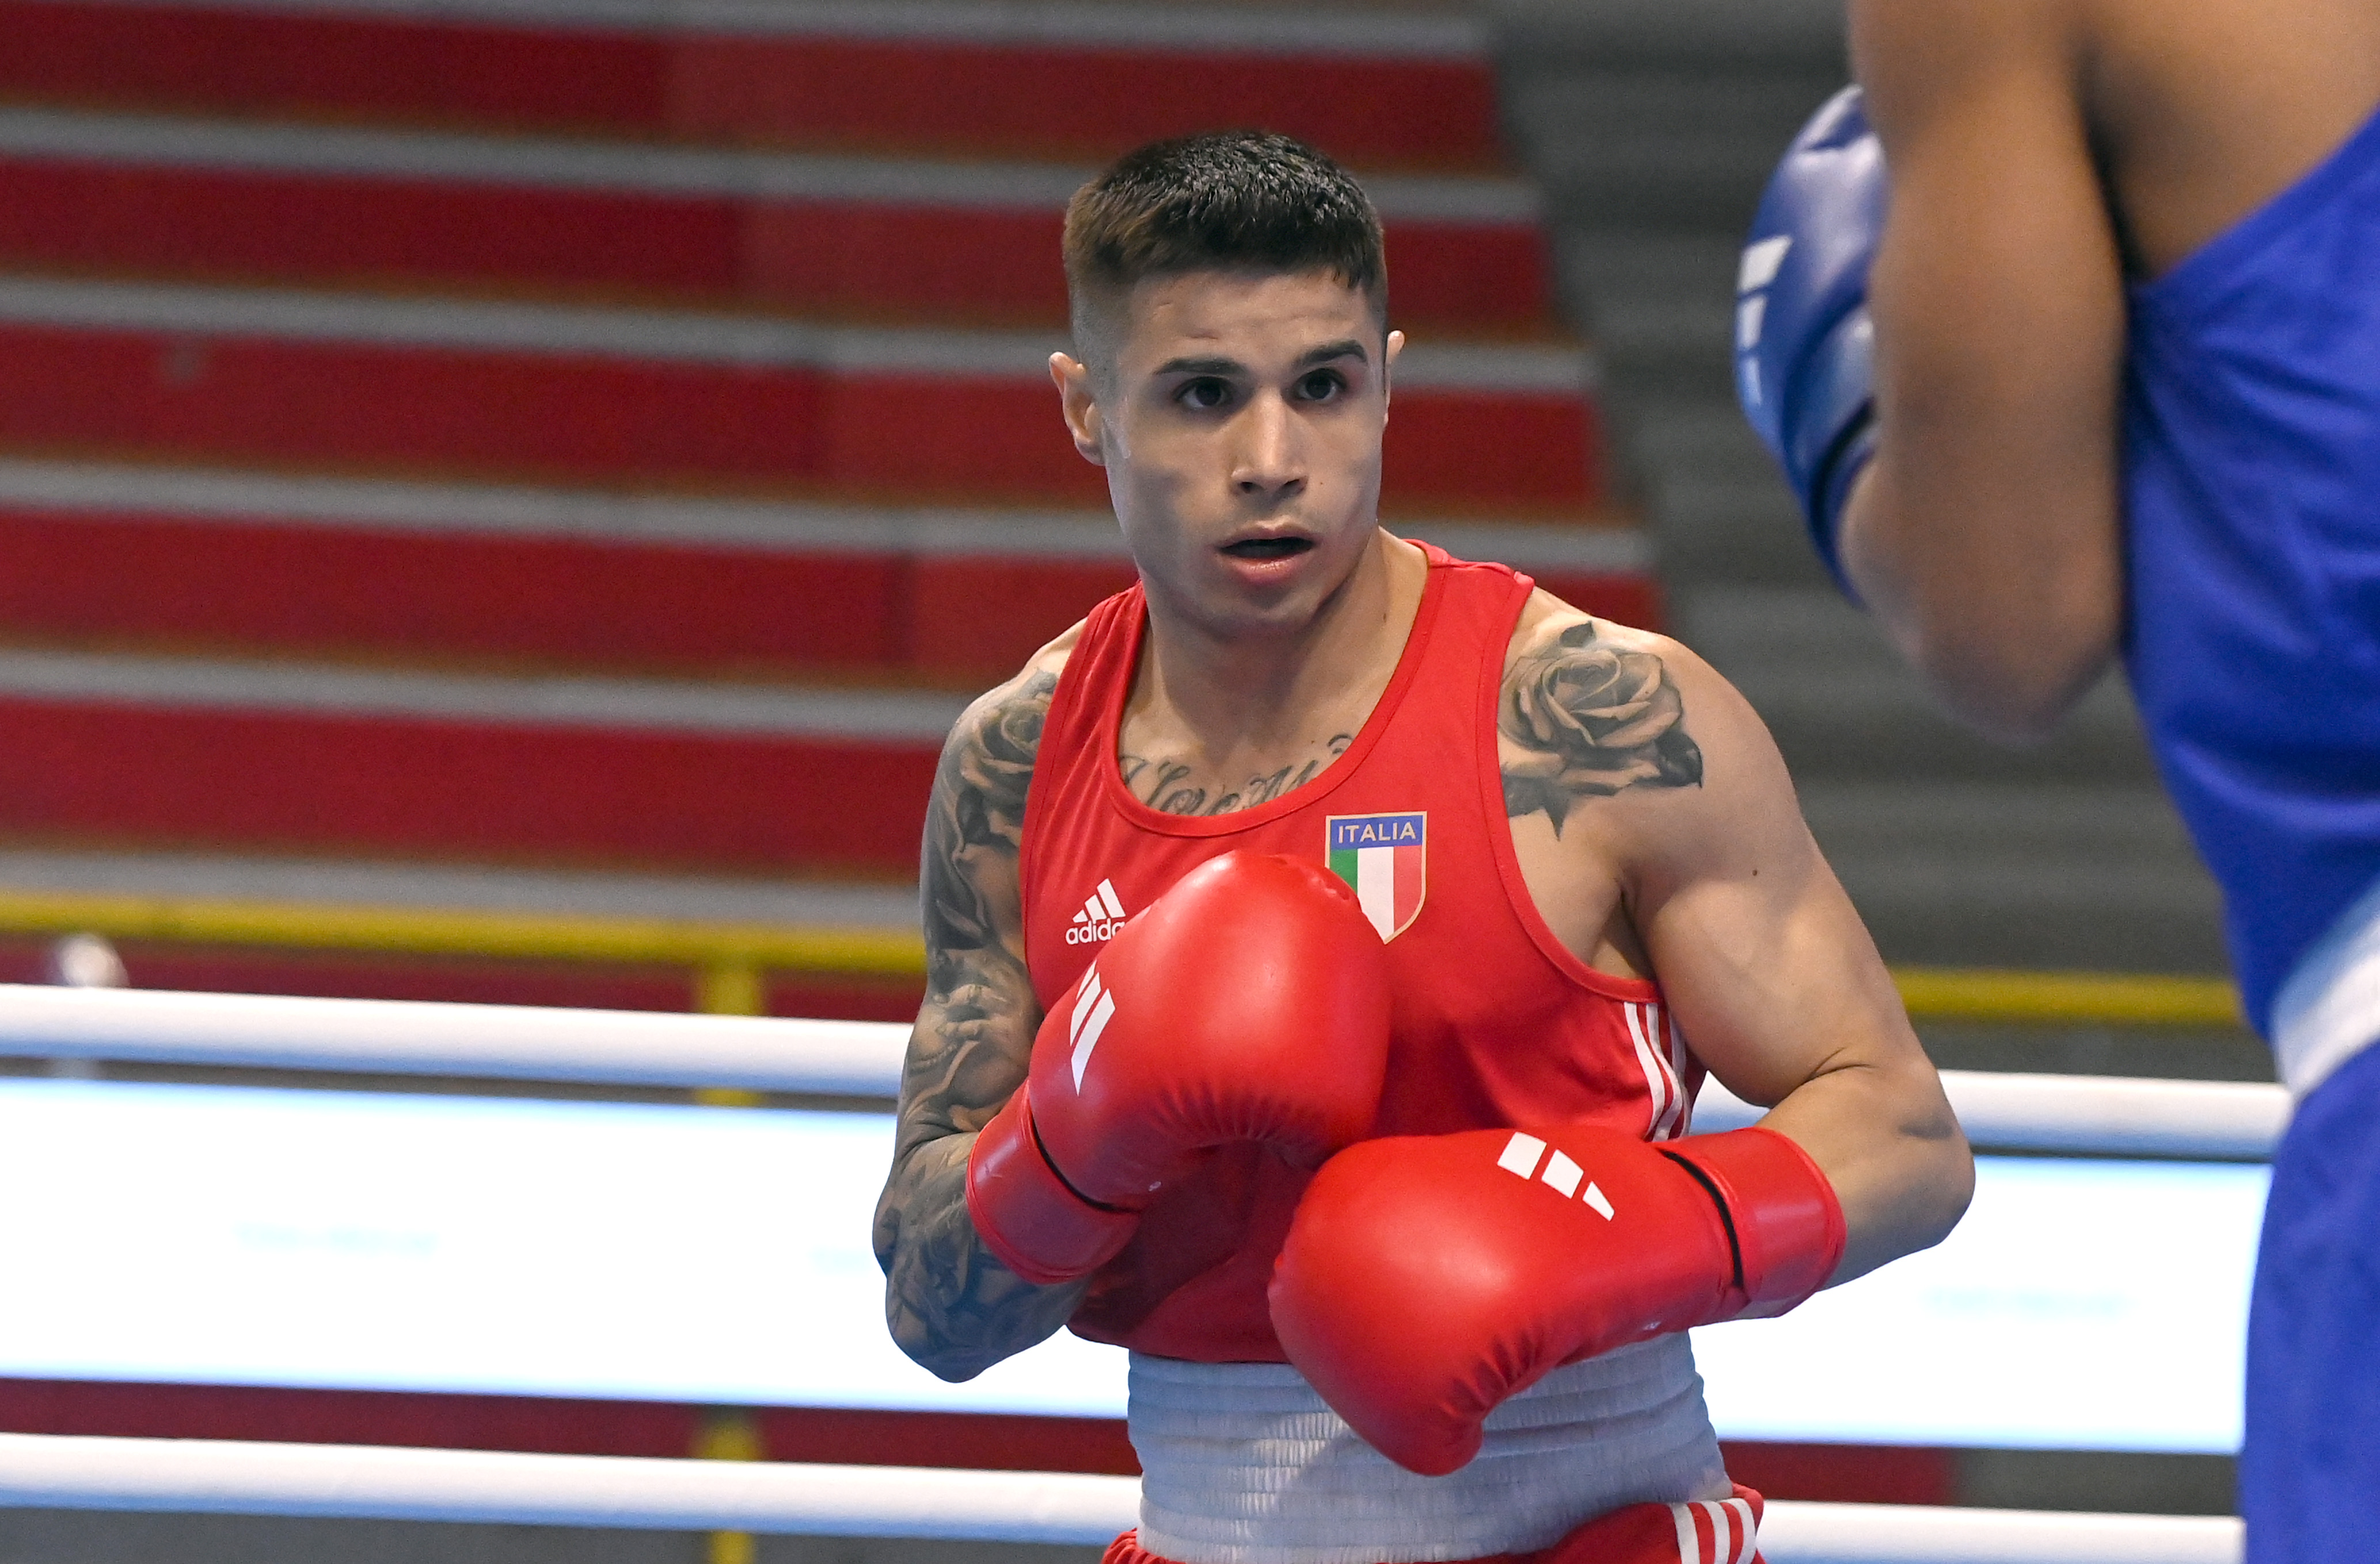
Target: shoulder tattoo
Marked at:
1580, 718
976, 823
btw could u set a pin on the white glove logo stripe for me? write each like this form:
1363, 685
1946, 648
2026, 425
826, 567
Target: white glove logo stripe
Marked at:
1094, 1008
1521, 1154
1520, 1158
1758, 268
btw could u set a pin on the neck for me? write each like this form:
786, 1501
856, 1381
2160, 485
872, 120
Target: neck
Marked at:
1251, 692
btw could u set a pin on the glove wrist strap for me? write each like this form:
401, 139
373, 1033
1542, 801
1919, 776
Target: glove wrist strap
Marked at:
1030, 1218
1780, 1212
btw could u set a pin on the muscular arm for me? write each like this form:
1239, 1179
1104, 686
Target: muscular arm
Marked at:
951, 1306
1985, 533
1657, 775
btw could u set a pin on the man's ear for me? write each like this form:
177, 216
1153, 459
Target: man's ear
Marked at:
1080, 409
1396, 345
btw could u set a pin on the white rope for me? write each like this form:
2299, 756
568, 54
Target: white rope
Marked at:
408, 1037
2101, 1114
361, 1482
2105, 1114
1894, 1533
364, 1482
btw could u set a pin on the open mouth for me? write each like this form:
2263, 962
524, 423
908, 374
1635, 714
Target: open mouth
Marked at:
1268, 547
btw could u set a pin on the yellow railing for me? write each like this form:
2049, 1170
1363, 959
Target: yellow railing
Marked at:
730, 962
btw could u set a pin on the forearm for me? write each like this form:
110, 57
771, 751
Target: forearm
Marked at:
951, 1306
1887, 1140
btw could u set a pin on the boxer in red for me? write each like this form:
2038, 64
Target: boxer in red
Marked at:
1327, 938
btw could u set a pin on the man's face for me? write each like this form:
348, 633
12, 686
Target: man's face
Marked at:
1240, 433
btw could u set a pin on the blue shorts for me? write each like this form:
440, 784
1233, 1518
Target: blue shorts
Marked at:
2310, 1477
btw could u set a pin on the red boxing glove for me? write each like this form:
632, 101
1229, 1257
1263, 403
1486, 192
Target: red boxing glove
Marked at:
1428, 1278
1249, 1002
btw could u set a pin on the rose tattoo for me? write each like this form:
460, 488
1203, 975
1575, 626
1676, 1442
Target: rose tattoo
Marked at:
1589, 721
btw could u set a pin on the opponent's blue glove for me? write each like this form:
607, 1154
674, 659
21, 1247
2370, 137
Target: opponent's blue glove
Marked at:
1805, 350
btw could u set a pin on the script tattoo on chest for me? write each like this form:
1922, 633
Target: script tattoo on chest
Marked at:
1583, 719
1171, 787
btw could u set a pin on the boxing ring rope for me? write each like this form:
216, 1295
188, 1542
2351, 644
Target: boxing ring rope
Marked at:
205, 1476
2101, 1115
863, 1060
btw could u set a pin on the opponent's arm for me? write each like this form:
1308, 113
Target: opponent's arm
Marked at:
1766, 966
950, 1304
1985, 533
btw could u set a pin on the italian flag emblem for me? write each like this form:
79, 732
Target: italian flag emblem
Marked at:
1381, 857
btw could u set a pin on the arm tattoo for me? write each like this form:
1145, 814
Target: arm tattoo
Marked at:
1161, 783
950, 1304
1583, 720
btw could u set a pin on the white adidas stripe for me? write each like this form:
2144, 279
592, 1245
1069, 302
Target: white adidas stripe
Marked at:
1676, 1057
1734, 1534
1660, 1086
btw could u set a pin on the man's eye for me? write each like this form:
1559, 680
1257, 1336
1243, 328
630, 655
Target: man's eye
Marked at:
1322, 385
1205, 395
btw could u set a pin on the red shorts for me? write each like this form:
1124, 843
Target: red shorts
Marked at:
1699, 1532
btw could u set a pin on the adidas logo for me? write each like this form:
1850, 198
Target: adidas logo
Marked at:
1101, 917
1522, 1153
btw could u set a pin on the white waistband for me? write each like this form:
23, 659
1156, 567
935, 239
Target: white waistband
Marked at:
1243, 1463
2329, 1010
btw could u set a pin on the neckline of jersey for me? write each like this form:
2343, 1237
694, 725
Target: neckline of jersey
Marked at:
1384, 710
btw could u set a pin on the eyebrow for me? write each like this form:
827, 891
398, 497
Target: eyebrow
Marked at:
1348, 348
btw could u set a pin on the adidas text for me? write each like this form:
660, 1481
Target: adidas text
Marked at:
1101, 916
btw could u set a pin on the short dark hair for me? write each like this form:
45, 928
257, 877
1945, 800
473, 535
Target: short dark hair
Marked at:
1229, 200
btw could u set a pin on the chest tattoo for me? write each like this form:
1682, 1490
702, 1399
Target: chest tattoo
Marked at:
1174, 787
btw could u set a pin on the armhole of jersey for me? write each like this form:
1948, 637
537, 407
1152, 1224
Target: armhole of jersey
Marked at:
1632, 990
1082, 669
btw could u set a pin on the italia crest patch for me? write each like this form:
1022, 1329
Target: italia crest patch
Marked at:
1384, 857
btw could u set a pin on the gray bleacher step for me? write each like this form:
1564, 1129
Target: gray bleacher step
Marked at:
1842, 704
2058, 874
1706, 34
716, 708
684, 335
1656, 147
53, 136
199, 496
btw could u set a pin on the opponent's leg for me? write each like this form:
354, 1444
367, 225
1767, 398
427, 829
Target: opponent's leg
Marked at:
2312, 1460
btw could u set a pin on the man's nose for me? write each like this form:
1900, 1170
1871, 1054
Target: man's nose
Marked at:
1269, 461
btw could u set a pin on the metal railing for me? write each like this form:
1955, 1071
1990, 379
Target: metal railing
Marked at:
729, 963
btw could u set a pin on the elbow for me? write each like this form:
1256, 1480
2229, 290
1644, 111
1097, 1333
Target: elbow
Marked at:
1949, 1182
2008, 617
2010, 665
950, 1362
2013, 695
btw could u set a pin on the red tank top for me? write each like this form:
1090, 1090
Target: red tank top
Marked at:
1494, 1023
